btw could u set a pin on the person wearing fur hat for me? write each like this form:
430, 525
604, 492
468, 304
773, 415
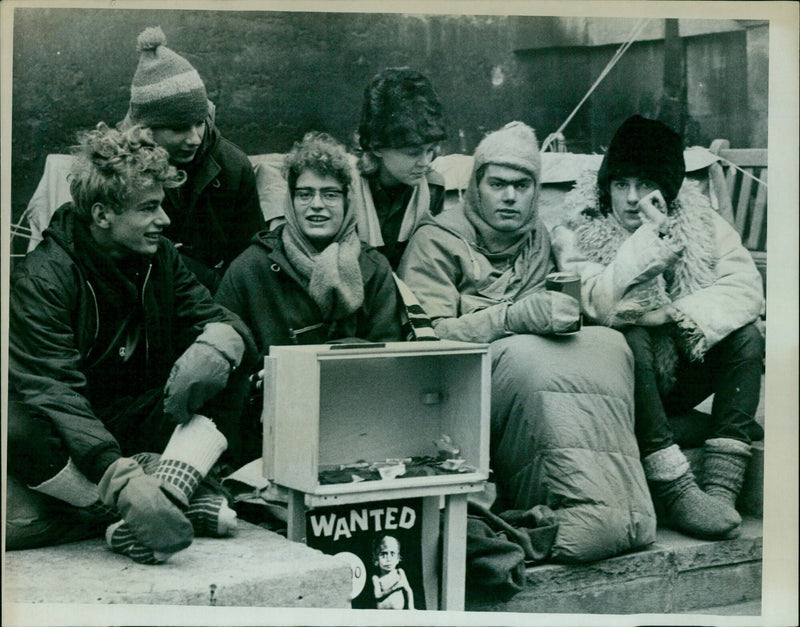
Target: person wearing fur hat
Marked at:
116, 350
398, 136
311, 280
659, 263
216, 212
561, 428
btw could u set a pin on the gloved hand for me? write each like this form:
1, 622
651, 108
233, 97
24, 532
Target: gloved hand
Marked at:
157, 522
202, 371
543, 313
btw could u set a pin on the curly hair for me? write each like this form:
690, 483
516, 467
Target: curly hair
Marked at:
110, 164
400, 109
320, 153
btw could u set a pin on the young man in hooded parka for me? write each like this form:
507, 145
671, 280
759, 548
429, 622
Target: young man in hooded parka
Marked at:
216, 212
312, 280
659, 263
395, 188
561, 406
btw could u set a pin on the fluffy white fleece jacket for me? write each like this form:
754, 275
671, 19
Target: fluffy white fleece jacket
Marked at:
700, 267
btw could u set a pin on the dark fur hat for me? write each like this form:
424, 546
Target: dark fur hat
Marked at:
646, 149
400, 108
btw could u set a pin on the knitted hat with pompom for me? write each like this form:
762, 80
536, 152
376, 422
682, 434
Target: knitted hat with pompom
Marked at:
166, 90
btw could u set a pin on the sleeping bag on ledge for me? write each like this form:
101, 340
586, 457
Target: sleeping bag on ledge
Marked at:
562, 436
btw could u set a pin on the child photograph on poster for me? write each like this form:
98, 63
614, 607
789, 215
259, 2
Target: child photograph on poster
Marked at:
382, 543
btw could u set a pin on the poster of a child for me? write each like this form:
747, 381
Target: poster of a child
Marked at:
391, 588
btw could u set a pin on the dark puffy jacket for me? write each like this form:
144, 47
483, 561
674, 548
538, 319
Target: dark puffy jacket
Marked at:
264, 289
71, 311
216, 212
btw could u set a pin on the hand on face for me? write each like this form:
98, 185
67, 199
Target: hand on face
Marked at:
653, 209
635, 201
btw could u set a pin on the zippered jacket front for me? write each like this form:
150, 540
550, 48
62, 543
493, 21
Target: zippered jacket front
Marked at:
88, 336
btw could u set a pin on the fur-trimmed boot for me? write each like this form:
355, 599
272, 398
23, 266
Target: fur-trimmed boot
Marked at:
724, 466
679, 501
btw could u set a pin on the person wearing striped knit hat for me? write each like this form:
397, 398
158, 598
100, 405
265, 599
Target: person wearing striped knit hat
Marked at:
216, 212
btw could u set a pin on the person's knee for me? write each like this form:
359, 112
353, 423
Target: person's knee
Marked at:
640, 341
35, 451
746, 343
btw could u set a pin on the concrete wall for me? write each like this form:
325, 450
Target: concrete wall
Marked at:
275, 75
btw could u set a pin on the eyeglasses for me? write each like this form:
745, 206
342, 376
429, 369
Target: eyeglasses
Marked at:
330, 196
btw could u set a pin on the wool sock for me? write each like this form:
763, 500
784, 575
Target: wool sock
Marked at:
208, 510
192, 450
681, 502
121, 539
724, 467
211, 516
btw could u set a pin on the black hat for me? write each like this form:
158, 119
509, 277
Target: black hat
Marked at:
646, 149
400, 109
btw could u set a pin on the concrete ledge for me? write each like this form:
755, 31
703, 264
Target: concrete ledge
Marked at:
256, 568
676, 573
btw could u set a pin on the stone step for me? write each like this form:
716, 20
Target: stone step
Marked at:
675, 574
256, 568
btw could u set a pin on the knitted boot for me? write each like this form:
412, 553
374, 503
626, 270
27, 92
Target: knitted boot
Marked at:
724, 467
192, 450
681, 503
71, 486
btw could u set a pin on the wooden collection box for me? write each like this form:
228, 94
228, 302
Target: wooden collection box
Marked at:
331, 405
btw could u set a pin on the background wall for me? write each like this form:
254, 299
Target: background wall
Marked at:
275, 75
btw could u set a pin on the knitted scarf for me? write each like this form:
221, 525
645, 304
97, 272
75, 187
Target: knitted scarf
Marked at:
691, 234
334, 275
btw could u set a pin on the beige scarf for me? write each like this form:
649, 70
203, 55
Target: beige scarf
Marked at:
334, 275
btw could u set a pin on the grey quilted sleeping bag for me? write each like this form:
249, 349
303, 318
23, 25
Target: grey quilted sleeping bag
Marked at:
562, 436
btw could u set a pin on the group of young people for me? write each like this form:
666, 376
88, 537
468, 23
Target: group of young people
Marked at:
138, 322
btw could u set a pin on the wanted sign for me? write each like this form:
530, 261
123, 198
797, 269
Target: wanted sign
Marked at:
382, 543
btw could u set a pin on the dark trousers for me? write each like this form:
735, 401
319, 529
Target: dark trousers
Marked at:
731, 370
37, 452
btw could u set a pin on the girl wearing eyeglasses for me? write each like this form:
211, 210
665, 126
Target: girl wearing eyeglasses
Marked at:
311, 280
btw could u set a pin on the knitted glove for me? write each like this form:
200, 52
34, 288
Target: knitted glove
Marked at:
155, 520
543, 313
202, 371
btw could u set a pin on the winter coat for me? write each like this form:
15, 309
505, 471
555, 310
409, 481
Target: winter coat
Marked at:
561, 428
216, 212
700, 268
271, 297
84, 336
454, 281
